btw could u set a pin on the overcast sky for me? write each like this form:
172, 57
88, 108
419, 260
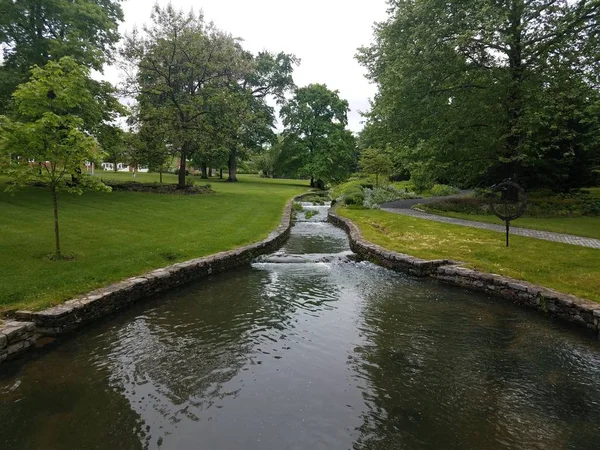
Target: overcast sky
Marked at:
324, 34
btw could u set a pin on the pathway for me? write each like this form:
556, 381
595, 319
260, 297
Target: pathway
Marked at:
404, 207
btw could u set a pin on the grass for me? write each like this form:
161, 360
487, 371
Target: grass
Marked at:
587, 226
566, 268
121, 234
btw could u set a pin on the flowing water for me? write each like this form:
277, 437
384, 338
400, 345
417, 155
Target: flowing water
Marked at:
308, 349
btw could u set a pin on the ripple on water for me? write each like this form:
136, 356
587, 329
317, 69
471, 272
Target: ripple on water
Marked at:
289, 354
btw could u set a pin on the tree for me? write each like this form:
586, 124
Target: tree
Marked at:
376, 162
112, 140
468, 82
48, 143
183, 69
268, 76
33, 32
316, 142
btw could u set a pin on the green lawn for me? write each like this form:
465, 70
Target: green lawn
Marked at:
122, 234
588, 226
566, 268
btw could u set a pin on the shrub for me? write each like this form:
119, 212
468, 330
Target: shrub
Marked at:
381, 194
422, 178
354, 196
562, 205
443, 190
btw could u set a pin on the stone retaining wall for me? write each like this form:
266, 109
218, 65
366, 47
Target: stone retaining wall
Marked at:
15, 338
74, 313
568, 308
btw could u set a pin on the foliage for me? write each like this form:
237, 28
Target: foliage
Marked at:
381, 194
316, 141
473, 92
266, 162
376, 162
48, 143
206, 92
422, 177
157, 188
33, 32
562, 205
566, 268
443, 190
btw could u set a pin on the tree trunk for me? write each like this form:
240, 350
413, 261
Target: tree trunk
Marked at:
56, 231
204, 172
160, 175
181, 181
221, 174
312, 181
232, 164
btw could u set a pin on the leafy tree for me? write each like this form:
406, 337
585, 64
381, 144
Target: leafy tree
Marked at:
476, 82
33, 32
266, 162
316, 142
183, 71
48, 143
269, 76
112, 140
376, 162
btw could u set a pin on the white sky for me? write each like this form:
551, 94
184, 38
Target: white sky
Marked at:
324, 34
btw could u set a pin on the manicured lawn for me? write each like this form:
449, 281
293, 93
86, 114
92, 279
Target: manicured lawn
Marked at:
122, 234
587, 226
566, 268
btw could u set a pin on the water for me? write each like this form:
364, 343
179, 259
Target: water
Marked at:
308, 349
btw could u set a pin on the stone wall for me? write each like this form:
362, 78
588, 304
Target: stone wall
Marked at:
567, 308
15, 338
74, 313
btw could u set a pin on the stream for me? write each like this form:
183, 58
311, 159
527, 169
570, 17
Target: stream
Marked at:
309, 349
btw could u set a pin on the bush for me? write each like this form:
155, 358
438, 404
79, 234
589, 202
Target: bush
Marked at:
381, 194
443, 190
354, 196
562, 205
422, 178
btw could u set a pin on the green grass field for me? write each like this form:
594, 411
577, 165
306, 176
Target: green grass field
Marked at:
566, 268
121, 234
587, 226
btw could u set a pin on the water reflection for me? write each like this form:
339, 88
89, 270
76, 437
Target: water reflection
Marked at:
472, 374
319, 353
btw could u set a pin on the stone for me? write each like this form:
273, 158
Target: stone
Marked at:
3, 340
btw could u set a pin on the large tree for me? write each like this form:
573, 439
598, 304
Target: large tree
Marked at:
182, 68
33, 32
48, 142
316, 141
269, 77
198, 83
477, 82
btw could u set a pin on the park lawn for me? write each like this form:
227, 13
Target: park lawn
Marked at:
566, 268
587, 226
121, 234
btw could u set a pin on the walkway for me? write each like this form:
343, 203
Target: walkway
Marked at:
403, 207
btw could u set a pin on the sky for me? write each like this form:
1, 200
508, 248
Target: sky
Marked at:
324, 34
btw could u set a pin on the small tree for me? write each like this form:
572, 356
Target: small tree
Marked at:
376, 162
48, 143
